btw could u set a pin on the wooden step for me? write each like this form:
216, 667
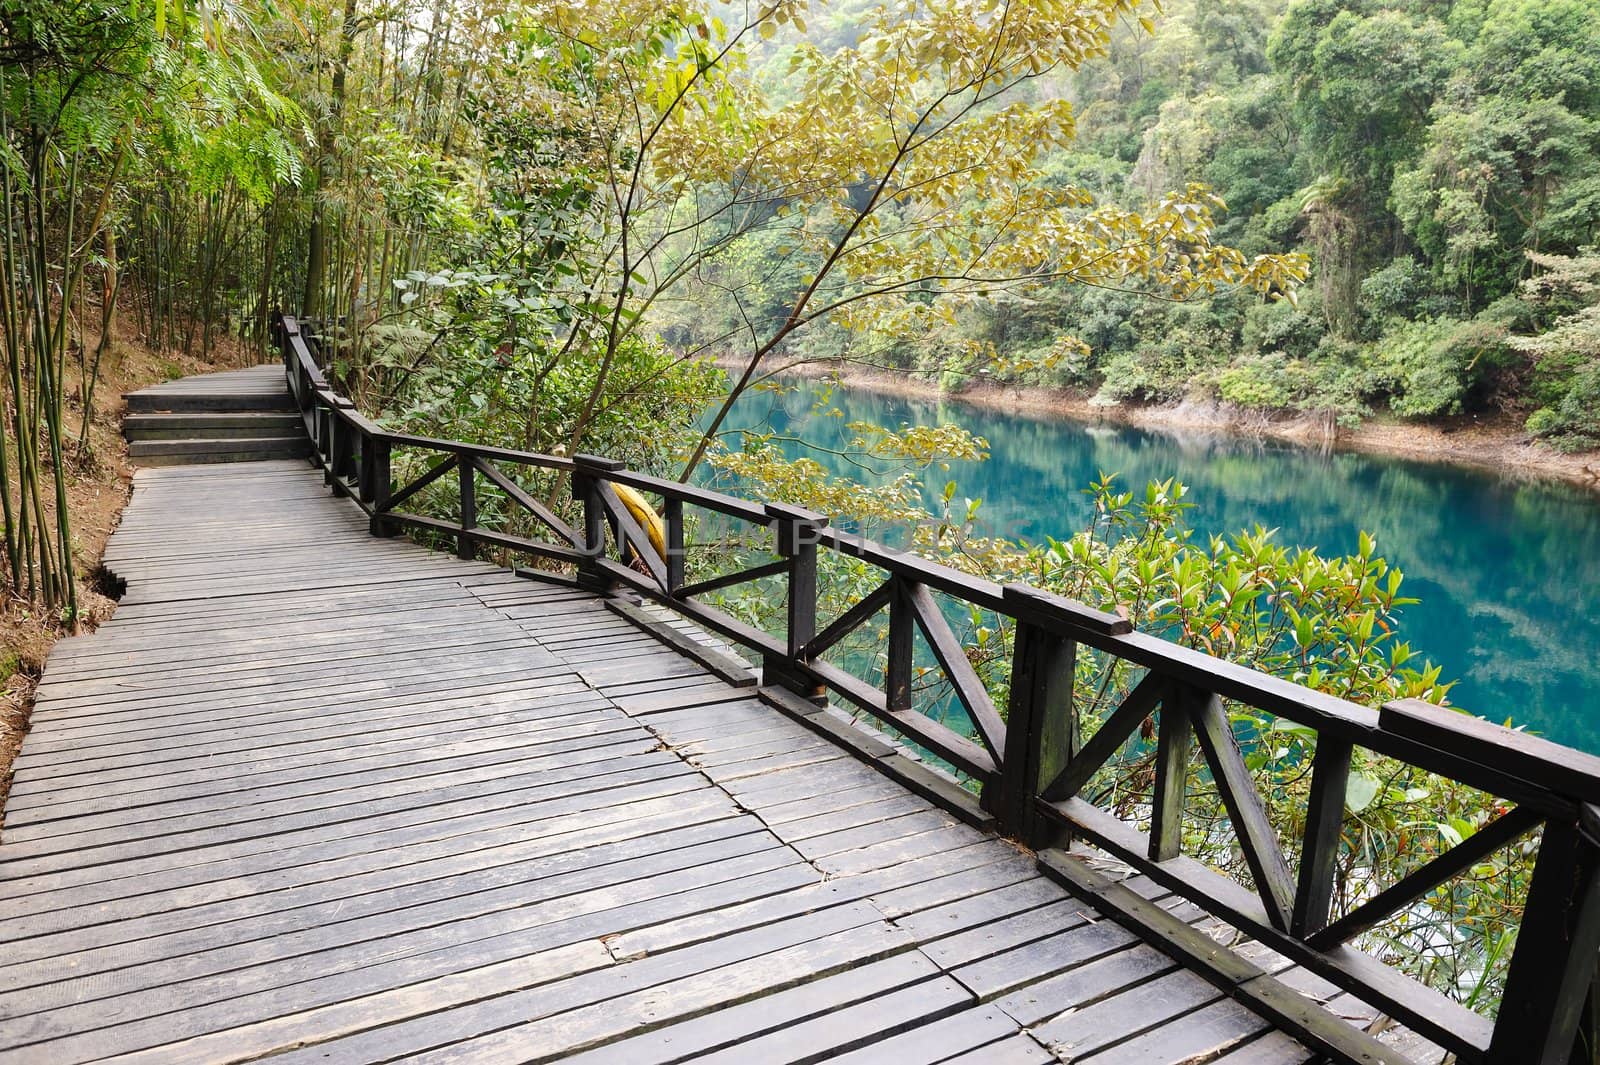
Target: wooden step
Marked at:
238, 425
211, 402
173, 452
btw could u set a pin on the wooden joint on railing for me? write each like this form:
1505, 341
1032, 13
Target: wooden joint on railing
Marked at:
467, 468
1057, 612
672, 518
1041, 729
1319, 850
797, 531
1173, 746
587, 477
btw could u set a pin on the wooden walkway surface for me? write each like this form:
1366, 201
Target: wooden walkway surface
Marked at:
325, 797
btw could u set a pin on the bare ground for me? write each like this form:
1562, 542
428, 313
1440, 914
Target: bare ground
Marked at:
100, 477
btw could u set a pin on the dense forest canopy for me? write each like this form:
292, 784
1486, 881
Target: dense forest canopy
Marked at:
1435, 161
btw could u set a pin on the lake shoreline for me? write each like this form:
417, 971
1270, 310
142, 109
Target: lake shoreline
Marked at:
1495, 443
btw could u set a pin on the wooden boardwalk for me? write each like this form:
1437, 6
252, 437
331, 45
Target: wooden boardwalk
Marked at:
326, 797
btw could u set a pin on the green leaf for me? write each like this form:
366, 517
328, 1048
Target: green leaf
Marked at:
1360, 792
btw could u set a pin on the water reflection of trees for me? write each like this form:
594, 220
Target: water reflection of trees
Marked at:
1507, 570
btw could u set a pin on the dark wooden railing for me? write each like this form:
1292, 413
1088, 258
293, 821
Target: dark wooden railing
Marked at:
1028, 763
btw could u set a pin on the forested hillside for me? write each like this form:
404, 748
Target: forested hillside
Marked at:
1438, 162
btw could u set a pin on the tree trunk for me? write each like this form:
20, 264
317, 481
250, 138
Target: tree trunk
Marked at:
314, 301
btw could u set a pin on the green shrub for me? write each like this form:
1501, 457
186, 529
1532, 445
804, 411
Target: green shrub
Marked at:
1267, 382
1573, 422
1282, 327
1420, 369
1395, 290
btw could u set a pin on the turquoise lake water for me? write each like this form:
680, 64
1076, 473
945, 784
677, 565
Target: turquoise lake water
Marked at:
1507, 571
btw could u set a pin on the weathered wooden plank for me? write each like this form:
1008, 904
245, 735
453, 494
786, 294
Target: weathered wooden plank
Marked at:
869, 833
1274, 1048
181, 921
352, 917
1202, 1034
1146, 1006
490, 794
734, 1025
869, 810
256, 812
851, 1027
820, 942
931, 882
1078, 945
993, 934
179, 737
182, 1010
195, 790
242, 870
268, 1003
1019, 1049
936, 1041
1081, 984
778, 812
269, 747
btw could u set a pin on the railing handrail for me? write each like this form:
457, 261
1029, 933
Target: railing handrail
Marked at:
1030, 766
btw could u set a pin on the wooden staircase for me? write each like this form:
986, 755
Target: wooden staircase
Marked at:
233, 416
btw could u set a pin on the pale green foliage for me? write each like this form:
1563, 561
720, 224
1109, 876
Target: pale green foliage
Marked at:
1265, 381
1568, 352
1424, 366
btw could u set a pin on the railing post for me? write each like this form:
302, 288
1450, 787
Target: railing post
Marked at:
322, 419
675, 551
1319, 853
284, 327
1553, 964
591, 470
466, 548
344, 457
1174, 742
897, 665
1041, 725
380, 487
797, 532
341, 444
364, 468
